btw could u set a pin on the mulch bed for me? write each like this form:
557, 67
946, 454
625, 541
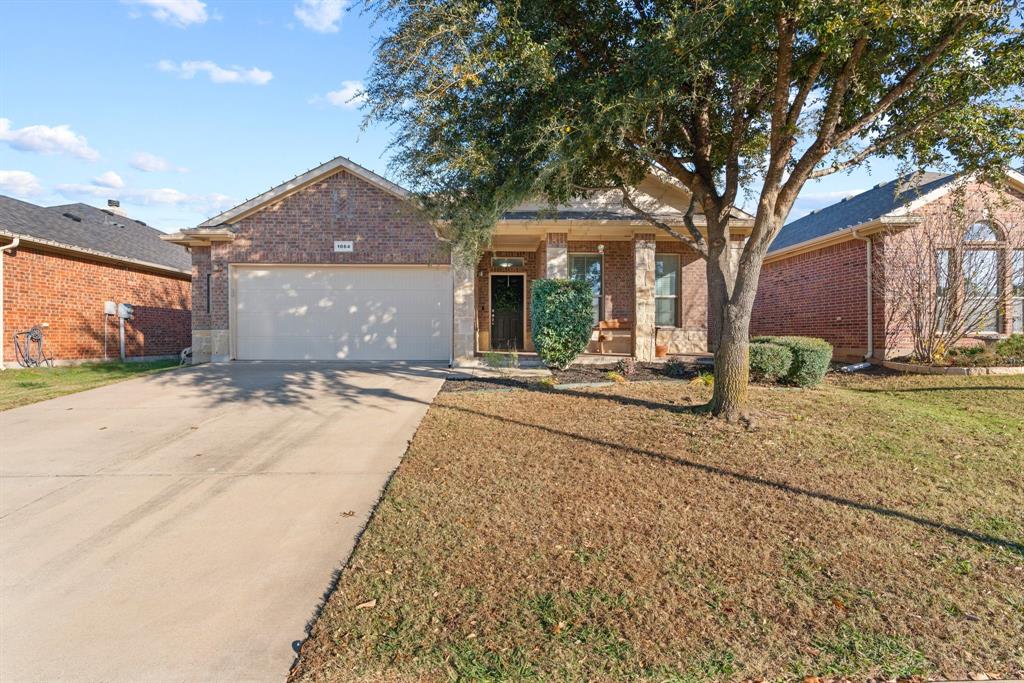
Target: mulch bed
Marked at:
577, 374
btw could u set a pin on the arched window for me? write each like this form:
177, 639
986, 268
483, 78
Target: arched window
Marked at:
982, 231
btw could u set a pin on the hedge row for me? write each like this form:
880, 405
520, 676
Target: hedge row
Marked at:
802, 361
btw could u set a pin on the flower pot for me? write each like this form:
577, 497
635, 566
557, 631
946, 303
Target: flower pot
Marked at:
660, 350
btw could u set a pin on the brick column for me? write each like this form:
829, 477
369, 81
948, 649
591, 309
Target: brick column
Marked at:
557, 255
643, 319
464, 318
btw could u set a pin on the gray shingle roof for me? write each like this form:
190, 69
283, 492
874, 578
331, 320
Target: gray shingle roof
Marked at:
97, 231
861, 208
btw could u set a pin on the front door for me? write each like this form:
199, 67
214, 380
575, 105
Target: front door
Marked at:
507, 312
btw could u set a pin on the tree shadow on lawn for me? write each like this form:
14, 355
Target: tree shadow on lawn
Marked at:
986, 539
305, 384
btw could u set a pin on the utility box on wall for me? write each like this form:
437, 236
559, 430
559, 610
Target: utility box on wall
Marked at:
125, 311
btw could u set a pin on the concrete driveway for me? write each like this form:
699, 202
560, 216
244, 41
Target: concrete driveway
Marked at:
185, 526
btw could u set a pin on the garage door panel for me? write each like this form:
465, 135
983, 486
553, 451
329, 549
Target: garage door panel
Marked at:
325, 313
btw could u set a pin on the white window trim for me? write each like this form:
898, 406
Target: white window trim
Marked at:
674, 296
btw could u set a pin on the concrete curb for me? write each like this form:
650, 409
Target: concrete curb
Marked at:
941, 370
581, 385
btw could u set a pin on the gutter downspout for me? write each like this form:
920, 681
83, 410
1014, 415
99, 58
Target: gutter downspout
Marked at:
13, 245
870, 292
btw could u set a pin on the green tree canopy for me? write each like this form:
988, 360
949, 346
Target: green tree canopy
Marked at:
496, 101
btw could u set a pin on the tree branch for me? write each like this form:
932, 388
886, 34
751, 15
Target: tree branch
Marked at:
878, 145
695, 240
905, 84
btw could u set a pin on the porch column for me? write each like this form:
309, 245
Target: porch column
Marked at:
464, 314
643, 318
557, 255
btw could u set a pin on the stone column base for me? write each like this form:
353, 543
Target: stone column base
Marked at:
210, 345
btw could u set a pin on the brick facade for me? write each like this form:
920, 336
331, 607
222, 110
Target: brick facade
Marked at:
68, 292
302, 227
823, 293
820, 293
618, 286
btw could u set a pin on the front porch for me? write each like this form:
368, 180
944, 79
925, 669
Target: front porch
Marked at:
649, 292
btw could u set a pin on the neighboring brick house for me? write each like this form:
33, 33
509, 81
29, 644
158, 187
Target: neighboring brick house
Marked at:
338, 263
69, 261
815, 278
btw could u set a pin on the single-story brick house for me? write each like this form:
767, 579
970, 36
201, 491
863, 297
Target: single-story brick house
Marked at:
60, 266
338, 263
827, 270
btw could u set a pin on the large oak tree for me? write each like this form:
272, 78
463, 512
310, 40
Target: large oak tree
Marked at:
495, 101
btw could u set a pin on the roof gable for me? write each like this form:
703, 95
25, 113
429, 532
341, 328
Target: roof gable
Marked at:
300, 181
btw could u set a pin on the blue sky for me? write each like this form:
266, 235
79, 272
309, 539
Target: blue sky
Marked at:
181, 108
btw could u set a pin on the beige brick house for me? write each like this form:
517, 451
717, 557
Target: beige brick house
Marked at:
338, 264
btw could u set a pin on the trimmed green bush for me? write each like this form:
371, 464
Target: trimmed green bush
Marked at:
769, 362
1011, 347
562, 318
811, 358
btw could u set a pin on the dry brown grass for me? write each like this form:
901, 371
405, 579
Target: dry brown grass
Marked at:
872, 527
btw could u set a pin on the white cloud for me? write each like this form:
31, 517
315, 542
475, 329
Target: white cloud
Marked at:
20, 183
178, 13
162, 196
216, 73
108, 179
322, 16
151, 163
349, 96
47, 140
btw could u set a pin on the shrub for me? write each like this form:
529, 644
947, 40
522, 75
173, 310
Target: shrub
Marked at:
770, 362
626, 367
562, 318
1011, 347
677, 369
811, 358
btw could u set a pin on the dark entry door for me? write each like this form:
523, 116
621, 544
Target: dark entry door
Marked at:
507, 312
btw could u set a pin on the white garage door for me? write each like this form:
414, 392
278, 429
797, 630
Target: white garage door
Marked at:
342, 313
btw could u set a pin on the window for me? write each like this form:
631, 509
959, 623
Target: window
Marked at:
981, 232
981, 289
666, 290
1018, 290
209, 296
943, 259
587, 267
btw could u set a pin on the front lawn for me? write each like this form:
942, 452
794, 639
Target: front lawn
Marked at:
21, 386
874, 526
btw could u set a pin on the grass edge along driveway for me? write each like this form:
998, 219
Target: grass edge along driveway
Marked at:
23, 386
872, 527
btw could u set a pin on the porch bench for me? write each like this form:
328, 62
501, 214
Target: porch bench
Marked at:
608, 331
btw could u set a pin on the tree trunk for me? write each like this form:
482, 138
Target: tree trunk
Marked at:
732, 368
732, 287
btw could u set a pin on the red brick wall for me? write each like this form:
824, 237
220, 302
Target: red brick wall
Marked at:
823, 293
68, 292
302, 228
820, 293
